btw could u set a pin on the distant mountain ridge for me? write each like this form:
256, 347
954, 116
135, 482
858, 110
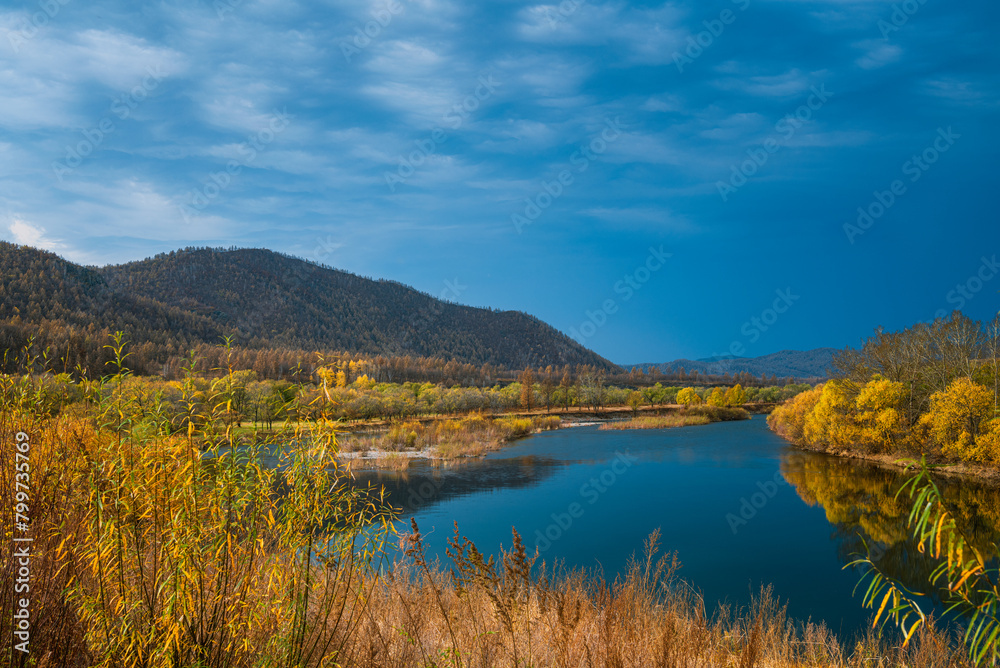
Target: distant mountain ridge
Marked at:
267, 299
800, 364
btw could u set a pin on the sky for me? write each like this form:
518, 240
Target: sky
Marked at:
657, 180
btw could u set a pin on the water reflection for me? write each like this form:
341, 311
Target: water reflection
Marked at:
428, 483
860, 502
685, 483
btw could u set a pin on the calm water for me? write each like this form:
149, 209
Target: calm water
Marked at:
739, 507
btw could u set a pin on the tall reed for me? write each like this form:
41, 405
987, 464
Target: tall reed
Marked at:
185, 550
162, 540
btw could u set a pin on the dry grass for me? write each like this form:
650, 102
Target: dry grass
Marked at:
658, 422
160, 551
687, 417
392, 461
150, 554
471, 436
484, 614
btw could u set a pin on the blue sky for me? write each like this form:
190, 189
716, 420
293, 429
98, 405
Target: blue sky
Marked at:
649, 177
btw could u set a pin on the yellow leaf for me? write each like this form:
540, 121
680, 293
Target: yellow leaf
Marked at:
885, 601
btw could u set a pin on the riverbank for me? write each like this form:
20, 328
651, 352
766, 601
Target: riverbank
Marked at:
687, 417
868, 423
942, 467
265, 573
395, 447
572, 414
470, 436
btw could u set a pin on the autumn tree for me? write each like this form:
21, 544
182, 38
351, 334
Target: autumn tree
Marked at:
717, 398
881, 414
925, 357
565, 384
789, 419
635, 401
654, 395
735, 396
688, 397
832, 420
959, 415
527, 380
548, 389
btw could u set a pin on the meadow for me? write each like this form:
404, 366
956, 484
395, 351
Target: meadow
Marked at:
168, 543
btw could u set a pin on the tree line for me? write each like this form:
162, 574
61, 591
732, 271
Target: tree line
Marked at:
930, 388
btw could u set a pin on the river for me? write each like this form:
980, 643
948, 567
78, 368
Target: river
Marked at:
739, 506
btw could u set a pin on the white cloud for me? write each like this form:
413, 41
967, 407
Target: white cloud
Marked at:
27, 234
661, 218
960, 91
646, 35
663, 103
877, 54
787, 84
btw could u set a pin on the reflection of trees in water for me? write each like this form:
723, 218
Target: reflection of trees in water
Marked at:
426, 484
859, 500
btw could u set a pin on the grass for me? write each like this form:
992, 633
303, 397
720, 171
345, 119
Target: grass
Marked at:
470, 436
515, 612
392, 461
695, 415
170, 549
657, 422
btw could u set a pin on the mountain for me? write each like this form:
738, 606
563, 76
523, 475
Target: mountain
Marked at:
39, 288
267, 299
786, 363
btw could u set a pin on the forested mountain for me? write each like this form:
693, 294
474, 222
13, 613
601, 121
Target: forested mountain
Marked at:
264, 300
783, 364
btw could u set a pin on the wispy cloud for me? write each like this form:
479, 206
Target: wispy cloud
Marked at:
565, 67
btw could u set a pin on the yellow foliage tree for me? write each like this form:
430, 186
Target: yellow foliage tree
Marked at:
789, 419
688, 397
959, 415
832, 421
881, 415
717, 398
341, 379
327, 378
635, 401
989, 443
735, 396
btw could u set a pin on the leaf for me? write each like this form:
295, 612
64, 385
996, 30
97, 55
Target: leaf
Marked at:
885, 601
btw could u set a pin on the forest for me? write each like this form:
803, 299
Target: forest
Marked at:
266, 302
65, 314
928, 389
350, 392
160, 539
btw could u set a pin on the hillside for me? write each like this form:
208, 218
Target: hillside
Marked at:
265, 299
786, 363
38, 287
